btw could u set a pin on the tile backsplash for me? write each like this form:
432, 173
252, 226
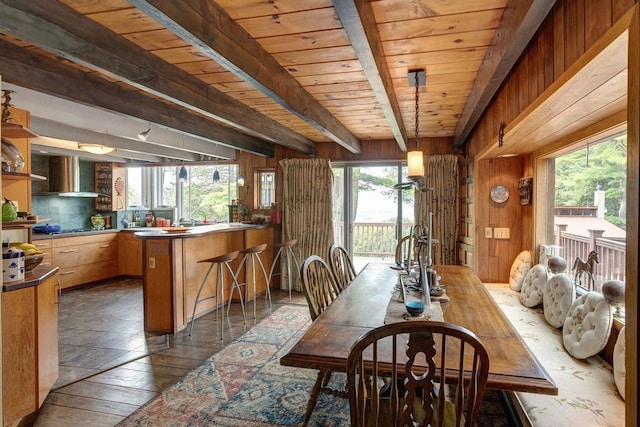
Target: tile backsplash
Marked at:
68, 212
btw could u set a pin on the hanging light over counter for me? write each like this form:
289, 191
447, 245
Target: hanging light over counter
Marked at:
415, 159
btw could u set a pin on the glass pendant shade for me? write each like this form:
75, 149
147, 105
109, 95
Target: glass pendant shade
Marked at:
415, 163
216, 176
95, 148
182, 175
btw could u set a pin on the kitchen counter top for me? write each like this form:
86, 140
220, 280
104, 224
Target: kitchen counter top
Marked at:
41, 236
197, 231
31, 278
155, 232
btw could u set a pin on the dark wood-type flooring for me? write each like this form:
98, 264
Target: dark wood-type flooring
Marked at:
109, 367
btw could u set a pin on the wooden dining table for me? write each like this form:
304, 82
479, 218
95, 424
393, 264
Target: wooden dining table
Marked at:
362, 306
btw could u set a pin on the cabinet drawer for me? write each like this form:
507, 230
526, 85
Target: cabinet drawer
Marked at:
87, 273
44, 246
69, 256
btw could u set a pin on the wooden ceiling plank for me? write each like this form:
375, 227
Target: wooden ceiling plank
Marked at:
445, 42
359, 23
305, 41
299, 21
42, 74
64, 32
439, 25
520, 20
239, 9
209, 27
401, 10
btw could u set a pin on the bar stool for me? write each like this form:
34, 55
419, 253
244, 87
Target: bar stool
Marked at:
285, 253
219, 262
250, 256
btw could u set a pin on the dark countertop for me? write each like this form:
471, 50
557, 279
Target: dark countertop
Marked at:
155, 232
197, 231
42, 236
31, 278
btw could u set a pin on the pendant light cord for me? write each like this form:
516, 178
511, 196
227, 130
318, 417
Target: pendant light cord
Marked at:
417, 84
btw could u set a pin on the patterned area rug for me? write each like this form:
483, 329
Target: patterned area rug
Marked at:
245, 385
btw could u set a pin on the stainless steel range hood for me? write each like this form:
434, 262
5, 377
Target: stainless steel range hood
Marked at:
64, 177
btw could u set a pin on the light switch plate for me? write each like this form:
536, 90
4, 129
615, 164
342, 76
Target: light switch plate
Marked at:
501, 233
488, 233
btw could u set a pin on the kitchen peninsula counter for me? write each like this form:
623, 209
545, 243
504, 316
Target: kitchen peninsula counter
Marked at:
31, 278
172, 273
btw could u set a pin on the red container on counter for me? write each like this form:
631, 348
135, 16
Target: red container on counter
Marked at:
275, 217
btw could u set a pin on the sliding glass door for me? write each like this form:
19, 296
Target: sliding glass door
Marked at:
369, 213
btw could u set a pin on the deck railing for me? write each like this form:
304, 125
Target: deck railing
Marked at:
372, 239
377, 240
611, 253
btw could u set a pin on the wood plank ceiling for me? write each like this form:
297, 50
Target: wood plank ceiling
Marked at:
248, 74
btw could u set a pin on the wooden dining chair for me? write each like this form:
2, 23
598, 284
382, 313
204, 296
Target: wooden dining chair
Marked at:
320, 289
341, 265
437, 375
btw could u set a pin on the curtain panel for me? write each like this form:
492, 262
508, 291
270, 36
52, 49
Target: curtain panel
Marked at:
441, 198
307, 208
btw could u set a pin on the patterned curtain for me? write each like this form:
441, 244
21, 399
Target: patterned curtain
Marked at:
307, 207
443, 200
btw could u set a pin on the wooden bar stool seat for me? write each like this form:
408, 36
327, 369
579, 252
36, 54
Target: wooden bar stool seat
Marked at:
219, 261
250, 258
286, 255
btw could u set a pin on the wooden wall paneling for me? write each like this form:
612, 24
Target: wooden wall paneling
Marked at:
545, 36
522, 94
558, 40
534, 71
493, 257
597, 14
620, 8
574, 31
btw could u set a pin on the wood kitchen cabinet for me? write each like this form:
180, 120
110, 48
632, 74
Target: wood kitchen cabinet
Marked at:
110, 179
44, 246
130, 254
85, 259
29, 345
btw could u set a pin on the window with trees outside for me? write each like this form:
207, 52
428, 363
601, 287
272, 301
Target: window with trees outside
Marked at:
198, 199
369, 214
590, 211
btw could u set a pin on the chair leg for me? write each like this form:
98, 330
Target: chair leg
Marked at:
313, 396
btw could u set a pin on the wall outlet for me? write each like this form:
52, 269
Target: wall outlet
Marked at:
488, 233
152, 262
501, 233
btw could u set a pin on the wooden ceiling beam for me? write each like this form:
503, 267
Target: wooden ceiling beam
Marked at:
359, 22
520, 21
208, 27
57, 28
23, 68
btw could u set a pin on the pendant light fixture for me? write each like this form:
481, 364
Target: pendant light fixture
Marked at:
216, 175
415, 159
182, 174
